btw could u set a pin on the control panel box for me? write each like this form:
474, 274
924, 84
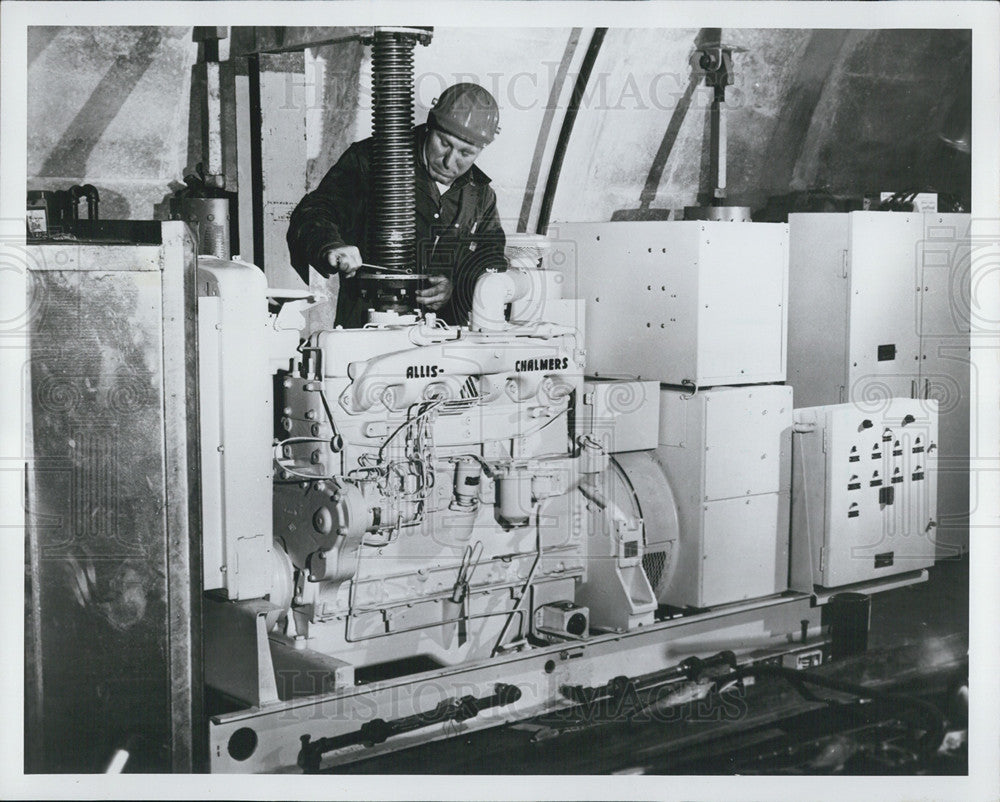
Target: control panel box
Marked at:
698, 303
726, 453
864, 499
879, 307
624, 415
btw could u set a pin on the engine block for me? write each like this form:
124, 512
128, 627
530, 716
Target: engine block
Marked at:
437, 498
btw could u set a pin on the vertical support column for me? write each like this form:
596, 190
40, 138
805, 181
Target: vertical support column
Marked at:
274, 104
188, 728
718, 150
247, 154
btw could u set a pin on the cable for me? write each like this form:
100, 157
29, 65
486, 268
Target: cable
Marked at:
432, 405
291, 472
337, 441
527, 582
929, 742
562, 143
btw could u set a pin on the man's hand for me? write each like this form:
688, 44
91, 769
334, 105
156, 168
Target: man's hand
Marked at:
434, 296
347, 260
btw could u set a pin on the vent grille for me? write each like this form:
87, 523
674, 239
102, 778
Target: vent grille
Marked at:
468, 397
653, 563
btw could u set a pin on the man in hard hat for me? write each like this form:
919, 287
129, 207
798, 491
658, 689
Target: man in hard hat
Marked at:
459, 236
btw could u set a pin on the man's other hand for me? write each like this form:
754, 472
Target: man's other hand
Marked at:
347, 259
434, 296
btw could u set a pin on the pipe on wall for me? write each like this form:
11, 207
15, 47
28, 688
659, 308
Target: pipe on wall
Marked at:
567, 128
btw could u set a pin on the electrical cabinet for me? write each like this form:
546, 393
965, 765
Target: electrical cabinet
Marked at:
698, 303
725, 452
879, 307
864, 496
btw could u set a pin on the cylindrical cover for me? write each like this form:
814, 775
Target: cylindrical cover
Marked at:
467, 473
210, 216
515, 498
726, 214
393, 183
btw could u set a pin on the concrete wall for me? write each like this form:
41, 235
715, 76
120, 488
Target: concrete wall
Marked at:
109, 106
848, 111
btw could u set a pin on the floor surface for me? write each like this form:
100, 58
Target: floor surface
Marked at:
917, 649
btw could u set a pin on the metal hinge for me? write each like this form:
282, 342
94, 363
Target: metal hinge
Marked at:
822, 558
843, 264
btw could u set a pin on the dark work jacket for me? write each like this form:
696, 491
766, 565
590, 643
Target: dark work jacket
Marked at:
458, 233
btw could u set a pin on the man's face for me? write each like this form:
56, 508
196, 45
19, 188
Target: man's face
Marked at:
448, 156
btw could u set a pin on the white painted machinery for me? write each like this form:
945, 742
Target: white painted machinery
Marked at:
880, 308
699, 303
866, 496
726, 453
436, 498
431, 491
412, 529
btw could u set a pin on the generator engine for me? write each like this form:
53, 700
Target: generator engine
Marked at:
433, 491
436, 495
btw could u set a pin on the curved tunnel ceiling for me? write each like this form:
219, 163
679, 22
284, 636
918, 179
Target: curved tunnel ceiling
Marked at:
847, 111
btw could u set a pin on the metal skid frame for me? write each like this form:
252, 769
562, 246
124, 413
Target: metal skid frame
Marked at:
271, 736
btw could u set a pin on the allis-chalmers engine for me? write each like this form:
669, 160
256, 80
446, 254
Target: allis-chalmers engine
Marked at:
437, 497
